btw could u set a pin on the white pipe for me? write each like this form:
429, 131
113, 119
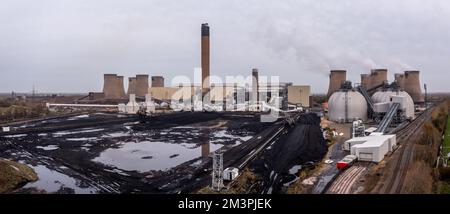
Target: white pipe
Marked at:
81, 105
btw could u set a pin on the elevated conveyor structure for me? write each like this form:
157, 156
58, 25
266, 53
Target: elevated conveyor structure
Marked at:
366, 96
388, 118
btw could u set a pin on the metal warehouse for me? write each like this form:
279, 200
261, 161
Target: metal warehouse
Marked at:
371, 148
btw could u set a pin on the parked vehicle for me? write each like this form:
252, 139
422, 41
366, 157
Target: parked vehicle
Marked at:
348, 161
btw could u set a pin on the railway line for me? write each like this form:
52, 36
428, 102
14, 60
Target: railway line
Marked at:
404, 156
345, 181
404, 153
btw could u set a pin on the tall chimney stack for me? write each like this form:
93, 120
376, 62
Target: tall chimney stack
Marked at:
205, 57
255, 86
337, 77
412, 86
141, 85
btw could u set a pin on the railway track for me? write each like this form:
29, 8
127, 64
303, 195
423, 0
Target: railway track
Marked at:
404, 156
344, 183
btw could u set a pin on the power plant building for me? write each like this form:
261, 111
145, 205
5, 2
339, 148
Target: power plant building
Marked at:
299, 95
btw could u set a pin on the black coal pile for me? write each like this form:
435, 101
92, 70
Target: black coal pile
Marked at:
303, 144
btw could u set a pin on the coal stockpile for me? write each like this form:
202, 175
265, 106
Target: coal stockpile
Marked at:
176, 119
303, 144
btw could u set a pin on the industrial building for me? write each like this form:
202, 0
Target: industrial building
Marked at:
372, 148
299, 95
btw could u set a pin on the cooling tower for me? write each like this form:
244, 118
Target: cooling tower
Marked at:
141, 85
121, 87
205, 56
365, 80
400, 79
113, 87
337, 77
255, 86
131, 85
412, 86
378, 77
157, 81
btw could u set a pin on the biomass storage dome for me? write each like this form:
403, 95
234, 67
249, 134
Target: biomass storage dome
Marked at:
347, 106
385, 96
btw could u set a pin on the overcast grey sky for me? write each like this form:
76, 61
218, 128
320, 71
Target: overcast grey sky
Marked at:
66, 46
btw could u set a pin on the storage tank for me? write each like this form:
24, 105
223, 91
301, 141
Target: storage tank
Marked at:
347, 105
384, 96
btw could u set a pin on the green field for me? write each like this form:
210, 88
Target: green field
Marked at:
446, 145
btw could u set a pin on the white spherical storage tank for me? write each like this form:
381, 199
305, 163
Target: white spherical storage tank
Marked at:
347, 106
385, 96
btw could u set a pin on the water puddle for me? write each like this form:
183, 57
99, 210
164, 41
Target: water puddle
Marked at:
145, 156
51, 181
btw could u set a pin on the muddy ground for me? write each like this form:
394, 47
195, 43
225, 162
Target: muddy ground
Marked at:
110, 153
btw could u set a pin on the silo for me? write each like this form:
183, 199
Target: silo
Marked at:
384, 96
365, 81
347, 105
157, 81
400, 79
412, 86
378, 77
141, 85
131, 85
337, 77
113, 86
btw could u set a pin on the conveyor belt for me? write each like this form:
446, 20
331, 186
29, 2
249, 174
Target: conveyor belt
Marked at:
387, 119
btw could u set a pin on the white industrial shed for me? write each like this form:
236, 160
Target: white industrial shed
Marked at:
371, 148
